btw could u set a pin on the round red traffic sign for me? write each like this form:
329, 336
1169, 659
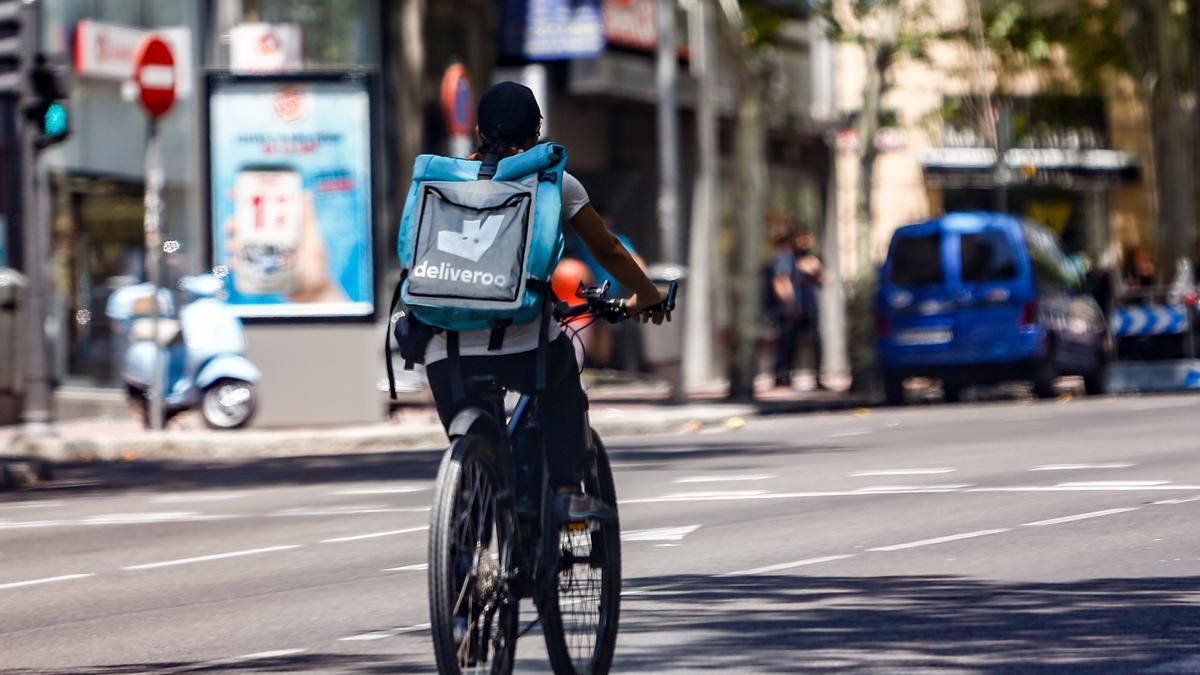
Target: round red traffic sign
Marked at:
154, 73
458, 101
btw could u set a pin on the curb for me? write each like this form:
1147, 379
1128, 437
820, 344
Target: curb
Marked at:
379, 438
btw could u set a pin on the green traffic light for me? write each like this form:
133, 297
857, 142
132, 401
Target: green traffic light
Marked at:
54, 122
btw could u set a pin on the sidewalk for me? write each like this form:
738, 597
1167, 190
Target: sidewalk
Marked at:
618, 409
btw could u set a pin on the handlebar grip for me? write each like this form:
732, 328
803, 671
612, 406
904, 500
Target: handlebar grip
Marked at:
669, 303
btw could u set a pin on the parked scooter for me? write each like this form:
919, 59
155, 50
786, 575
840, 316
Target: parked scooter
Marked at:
204, 351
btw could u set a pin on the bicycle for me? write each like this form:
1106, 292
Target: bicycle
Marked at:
488, 547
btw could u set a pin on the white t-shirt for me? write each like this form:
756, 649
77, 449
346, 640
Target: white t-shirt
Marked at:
520, 337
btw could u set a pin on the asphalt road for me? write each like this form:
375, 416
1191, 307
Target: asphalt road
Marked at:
1009, 537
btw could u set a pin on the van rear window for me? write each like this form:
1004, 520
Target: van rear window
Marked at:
987, 256
917, 261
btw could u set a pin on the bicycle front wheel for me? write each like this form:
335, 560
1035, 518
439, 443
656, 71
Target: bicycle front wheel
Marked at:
472, 616
582, 608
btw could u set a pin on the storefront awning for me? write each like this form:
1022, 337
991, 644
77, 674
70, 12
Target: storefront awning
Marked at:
956, 167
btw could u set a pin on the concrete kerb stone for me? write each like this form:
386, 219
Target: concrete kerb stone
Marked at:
378, 438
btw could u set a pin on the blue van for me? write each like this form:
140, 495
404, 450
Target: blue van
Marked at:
979, 298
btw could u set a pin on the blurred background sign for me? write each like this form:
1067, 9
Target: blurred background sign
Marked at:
106, 51
265, 47
631, 23
291, 189
548, 30
458, 109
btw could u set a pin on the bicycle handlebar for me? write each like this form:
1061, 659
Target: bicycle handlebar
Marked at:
599, 304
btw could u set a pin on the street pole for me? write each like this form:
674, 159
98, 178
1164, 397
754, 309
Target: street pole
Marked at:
153, 232
37, 417
697, 314
667, 77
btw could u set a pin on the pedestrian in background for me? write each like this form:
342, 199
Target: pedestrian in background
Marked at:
782, 304
809, 279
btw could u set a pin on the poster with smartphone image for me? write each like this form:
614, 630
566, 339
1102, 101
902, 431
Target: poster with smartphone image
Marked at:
290, 172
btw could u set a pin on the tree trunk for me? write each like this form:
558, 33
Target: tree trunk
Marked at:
867, 128
749, 196
1148, 34
860, 313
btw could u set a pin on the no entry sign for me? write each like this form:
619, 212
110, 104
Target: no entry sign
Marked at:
154, 73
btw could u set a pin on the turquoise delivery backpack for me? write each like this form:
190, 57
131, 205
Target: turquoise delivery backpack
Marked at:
478, 243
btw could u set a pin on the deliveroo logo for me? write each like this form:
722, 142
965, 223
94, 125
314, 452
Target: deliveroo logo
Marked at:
476, 238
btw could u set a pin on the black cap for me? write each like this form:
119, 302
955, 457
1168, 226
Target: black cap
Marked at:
508, 113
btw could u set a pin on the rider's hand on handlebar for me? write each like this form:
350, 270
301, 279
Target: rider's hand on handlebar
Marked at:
646, 308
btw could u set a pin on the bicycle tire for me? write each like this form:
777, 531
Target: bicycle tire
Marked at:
466, 591
569, 648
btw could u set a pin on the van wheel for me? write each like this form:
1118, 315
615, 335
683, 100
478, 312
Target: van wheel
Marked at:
893, 389
1045, 377
952, 392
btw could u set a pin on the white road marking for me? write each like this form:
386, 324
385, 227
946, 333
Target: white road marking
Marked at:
206, 558
660, 534
47, 580
382, 634
346, 510
1082, 467
1115, 483
150, 518
1081, 516
1088, 488
724, 479
848, 434
785, 566
419, 567
380, 491
939, 540
903, 472
244, 658
195, 497
19, 525
1179, 501
372, 535
940, 487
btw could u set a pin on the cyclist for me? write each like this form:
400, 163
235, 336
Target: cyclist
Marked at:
509, 122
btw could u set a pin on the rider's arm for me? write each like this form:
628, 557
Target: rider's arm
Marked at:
614, 257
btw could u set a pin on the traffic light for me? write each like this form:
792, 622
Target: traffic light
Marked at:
38, 84
48, 109
18, 44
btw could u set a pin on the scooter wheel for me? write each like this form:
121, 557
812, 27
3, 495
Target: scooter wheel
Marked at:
228, 404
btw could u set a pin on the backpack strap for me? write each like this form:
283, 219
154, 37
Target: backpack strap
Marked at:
454, 360
387, 337
547, 292
496, 339
488, 165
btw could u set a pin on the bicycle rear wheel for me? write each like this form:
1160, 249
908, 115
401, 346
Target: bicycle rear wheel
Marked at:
472, 617
581, 610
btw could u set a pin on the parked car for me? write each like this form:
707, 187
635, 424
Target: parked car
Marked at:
981, 298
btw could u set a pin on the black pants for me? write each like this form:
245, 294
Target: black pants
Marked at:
562, 410
793, 329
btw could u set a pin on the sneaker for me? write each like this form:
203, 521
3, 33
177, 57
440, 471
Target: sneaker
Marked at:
578, 507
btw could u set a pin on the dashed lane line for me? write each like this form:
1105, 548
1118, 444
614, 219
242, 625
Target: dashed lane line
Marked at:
1115, 483
1083, 467
47, 580
1079, 516
903, 472
1179, 501
785, 566
733, 478
206, 558
380, 491
383, 634
373, 535
419, 567
221, 663
940, 540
